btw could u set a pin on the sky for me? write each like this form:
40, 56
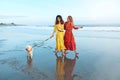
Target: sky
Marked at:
44, 12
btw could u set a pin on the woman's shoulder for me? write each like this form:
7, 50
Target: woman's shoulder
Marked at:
56, 25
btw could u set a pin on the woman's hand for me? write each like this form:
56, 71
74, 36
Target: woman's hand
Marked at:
80, 27
52, 36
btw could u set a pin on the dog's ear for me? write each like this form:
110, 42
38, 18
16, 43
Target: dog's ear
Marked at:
26, 49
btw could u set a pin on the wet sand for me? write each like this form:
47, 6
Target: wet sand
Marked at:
99, 55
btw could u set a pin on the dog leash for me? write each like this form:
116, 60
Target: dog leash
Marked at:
40, 42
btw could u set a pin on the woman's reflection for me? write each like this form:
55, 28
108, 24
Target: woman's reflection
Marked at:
65, 67
60, 68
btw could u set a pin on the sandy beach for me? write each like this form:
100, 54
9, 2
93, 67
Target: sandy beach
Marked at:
99, 54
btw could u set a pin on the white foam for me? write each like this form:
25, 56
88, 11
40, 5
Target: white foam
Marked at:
117, 29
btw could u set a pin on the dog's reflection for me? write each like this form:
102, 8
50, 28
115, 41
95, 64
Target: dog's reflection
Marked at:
29, 62
65, 67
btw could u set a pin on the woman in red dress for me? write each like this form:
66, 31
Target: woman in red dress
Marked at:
69, 40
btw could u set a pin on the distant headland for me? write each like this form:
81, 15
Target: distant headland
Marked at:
11, 24
49, 25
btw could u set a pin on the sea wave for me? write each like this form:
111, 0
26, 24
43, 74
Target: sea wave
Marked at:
102, 28
106, 29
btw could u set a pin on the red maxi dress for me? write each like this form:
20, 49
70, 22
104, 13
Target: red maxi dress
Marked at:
69, 40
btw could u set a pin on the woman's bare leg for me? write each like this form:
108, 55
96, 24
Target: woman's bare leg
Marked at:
63, 53
56, 51
75, 51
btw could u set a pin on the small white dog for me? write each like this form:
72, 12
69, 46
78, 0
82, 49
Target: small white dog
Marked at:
29, 50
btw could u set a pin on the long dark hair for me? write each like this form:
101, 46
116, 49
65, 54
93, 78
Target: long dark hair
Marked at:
61, 20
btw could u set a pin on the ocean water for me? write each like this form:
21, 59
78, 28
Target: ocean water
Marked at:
98, 47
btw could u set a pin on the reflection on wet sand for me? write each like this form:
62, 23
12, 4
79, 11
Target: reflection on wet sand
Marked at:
65, 67
29, 62
33, 72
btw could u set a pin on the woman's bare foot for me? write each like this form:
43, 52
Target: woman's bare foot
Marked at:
56, 55
76, 56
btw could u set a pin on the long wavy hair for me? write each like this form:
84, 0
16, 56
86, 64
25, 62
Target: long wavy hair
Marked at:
71, 19
61, 20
